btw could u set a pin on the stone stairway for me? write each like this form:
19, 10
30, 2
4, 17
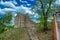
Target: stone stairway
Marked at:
32, 33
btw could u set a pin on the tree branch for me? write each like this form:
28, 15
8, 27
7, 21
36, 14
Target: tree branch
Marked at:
49, 6
42, 6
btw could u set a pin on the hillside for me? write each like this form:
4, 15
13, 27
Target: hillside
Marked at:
22, 34
15, 34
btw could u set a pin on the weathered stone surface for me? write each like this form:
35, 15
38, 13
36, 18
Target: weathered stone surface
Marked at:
32, 33
23, 20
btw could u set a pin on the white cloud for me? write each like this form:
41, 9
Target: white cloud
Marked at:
23, 9
15, 14
57, 2
2, 12
20, 9
1, 1
10, 4
14, 9
14, 2
28, 4
8, 9
23, 1
33, 13
31, 0
20, 0
36, 15
49, 20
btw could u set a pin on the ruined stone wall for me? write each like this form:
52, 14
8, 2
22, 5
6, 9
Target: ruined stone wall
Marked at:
16, 21
22, 20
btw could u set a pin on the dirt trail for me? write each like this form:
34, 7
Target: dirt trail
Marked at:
32, 33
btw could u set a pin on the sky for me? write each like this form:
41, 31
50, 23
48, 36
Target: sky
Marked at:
16, 5
19, 6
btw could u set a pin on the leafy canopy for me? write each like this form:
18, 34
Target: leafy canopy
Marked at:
6, 19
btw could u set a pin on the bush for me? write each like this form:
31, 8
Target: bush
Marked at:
40, 27
2, 29
49, 24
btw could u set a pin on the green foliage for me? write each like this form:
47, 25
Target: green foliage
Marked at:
5, 28
47, 1
40, 26
7, 18
2, 29
44, 10
49, 25
15, 34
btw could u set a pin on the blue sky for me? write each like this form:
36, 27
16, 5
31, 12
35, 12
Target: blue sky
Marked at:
19, 6
28, 3
15, 5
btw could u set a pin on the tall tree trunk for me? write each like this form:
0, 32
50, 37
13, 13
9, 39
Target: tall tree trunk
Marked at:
45, 23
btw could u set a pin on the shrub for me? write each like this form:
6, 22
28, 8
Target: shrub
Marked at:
2, 29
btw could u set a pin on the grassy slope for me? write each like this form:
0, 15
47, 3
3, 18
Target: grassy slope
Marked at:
15, 34
45, 36
21, 34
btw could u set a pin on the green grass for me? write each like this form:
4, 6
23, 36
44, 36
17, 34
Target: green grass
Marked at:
4, 28
14, 34
21, 33
49, 25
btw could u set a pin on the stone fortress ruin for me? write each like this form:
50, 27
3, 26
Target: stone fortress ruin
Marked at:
23, 20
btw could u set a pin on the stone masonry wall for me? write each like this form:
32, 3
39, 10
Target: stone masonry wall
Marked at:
23, 20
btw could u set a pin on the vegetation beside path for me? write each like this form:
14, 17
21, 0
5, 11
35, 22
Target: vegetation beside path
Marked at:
14, 34
21, 34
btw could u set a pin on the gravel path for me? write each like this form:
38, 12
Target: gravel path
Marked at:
32, 33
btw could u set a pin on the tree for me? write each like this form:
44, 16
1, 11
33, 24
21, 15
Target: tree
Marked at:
6, 19
44, 8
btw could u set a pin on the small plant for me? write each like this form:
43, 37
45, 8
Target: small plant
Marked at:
2, 30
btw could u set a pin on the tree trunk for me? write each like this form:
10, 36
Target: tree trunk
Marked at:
45, 23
